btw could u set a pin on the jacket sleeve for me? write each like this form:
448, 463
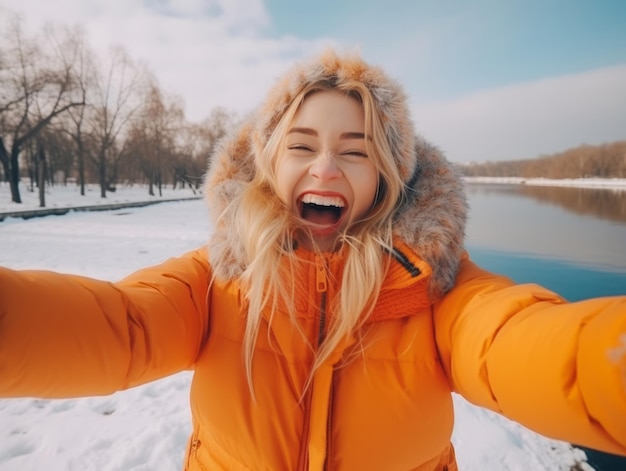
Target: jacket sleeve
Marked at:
555, 367
66, 336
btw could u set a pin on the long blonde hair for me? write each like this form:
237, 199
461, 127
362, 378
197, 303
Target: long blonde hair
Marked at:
266, 228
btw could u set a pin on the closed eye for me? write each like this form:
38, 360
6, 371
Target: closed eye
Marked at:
357, 153
300, 147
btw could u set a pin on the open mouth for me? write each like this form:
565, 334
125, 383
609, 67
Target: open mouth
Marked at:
322, 210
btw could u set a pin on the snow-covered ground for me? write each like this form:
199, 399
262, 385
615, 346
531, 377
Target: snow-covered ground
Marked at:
618, 184
68, 196
146, 428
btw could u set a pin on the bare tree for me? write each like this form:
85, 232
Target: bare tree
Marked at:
59, 154
75, 120
36, 85
216, 126
185, 166
115, 100
196, 143
212, 130
153, 133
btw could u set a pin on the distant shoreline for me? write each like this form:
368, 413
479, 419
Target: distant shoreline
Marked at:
617, 184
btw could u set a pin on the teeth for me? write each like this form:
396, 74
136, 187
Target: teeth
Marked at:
323, 200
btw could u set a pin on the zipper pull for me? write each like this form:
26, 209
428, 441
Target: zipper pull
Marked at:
320, 268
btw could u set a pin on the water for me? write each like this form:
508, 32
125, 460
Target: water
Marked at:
570, 240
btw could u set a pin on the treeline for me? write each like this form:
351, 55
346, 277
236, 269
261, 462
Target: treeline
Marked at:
67, 115
603, 161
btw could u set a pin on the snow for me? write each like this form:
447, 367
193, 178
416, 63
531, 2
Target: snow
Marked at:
65, 197
615, 184
146, 428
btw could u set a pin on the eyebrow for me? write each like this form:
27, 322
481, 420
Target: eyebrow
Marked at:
313, 132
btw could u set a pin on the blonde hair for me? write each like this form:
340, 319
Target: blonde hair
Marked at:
266, 228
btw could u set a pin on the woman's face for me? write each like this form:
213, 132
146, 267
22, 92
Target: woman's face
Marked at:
323, 171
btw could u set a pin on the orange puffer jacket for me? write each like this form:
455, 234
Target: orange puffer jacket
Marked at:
383, 402
383, 399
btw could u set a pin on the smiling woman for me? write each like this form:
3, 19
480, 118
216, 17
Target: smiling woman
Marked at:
325, 338
329, 164
323, 171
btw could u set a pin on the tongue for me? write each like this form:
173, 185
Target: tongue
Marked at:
322, 215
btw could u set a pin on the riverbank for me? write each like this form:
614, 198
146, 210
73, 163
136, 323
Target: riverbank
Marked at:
60, 199
617, 184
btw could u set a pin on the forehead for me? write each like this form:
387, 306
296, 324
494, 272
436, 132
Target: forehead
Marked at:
330, 108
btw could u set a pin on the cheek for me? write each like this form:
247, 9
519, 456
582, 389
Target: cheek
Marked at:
364, 187
369, 183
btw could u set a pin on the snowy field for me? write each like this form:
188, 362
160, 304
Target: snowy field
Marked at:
146, 428
60, 197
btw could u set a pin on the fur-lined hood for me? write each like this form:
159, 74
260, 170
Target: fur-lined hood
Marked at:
431, 220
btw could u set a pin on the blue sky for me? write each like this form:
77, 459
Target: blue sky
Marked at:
487, 80
456, 47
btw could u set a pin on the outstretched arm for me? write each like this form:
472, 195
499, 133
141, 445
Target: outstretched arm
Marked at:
64, 335
558, 368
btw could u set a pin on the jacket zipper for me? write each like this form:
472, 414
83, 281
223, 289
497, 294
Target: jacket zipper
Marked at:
193, 454
321, 286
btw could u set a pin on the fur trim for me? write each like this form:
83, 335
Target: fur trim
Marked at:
431, 220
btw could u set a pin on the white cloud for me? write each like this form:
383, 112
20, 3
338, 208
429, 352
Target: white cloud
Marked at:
529, 119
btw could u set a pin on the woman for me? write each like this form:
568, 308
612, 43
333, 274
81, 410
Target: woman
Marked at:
335, 308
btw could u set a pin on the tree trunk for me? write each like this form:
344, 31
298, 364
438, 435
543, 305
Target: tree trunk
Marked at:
41, 176
151, 184
4, 158
103, 177
14, 177
11, 170
81, 167
33, 173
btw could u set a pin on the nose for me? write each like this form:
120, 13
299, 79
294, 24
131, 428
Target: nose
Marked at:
325, 167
